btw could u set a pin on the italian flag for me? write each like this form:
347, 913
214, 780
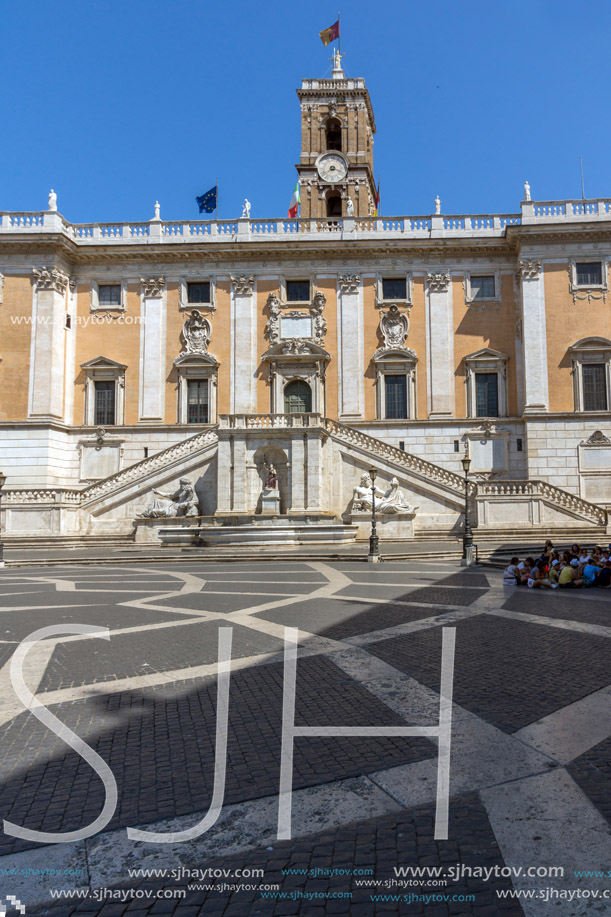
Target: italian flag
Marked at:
295, 202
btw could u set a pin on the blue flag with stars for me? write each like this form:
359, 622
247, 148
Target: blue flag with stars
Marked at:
207, 202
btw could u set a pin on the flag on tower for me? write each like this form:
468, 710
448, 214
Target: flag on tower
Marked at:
295, 202
375, 212
330, 34
207, 202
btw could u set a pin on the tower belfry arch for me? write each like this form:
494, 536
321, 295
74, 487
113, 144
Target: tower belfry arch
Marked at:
336, 161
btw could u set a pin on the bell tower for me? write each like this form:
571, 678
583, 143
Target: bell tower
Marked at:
336, 163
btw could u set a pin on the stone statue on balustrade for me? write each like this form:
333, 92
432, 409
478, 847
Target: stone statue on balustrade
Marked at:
183, 502
246, 209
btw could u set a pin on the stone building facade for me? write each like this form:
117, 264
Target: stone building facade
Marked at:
134, 354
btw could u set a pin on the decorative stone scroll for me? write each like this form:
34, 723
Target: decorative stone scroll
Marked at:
598, 438
272, 329
394, 326
438, 282
529, 269
243, 285
152, 287
51, 279
318, 324
349, 283
196, 333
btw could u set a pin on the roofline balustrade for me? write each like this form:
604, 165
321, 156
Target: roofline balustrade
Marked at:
176, 232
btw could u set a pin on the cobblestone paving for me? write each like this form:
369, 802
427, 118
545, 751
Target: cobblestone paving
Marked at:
510, 673
370, 849
592, 771
165, 735
593, 606
370, 652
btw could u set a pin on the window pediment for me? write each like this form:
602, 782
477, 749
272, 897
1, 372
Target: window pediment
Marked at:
591, 348
296, 348
485, 355
104, 363
395, 355
196, 361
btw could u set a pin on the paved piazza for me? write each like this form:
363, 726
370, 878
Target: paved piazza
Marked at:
530, 759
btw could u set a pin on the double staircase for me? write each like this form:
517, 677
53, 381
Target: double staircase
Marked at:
574, 517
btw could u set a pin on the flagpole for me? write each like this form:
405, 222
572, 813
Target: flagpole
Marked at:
217, 199
339, 37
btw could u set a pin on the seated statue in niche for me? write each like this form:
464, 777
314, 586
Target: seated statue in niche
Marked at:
182, 502
271, 480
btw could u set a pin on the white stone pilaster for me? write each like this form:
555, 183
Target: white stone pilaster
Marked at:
440, 345
297, 477
351, 359
314, 470
244, 359
70, 354
152, 351
534, 337
224, 474
48, 350
242, 499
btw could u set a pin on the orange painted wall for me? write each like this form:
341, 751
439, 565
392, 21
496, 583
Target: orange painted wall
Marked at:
416, 340
264, 288
220, 344
329, 288
478, 328
112, 339
15, 348
567, 323
371, 342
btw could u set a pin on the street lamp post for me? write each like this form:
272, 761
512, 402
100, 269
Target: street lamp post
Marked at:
467, 539
374, 556
2, 482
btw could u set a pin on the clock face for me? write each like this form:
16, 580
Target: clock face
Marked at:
332, 168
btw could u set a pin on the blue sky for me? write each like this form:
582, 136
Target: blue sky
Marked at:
116, 104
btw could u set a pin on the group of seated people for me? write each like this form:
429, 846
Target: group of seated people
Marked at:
561, 569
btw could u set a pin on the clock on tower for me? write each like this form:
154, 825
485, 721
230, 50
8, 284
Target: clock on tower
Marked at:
336, 163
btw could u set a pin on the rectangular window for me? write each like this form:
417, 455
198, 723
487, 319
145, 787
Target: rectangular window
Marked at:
483, 287
519, 445
298, 291
198, 292
594, 387
402, 445
109, 294
486, 395
588, 274
394, 288
396, 397
104, 408
456, 446
197, 401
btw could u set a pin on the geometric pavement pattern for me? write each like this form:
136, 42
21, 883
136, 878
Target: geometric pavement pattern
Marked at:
531, 692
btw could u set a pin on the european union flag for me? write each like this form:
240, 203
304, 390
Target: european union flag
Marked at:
207, 202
